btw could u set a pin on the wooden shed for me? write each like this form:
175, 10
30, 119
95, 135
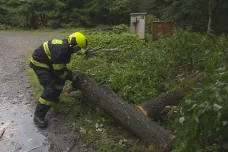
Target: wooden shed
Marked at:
162, 28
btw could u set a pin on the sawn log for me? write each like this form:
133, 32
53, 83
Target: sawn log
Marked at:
155, 108
132, 119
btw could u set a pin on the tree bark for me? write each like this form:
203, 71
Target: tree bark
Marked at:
213, 6
155, 108
142, 126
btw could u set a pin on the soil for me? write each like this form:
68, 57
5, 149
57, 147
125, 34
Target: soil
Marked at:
18, 105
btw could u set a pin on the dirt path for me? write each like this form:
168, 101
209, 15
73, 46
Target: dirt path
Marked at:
17, 105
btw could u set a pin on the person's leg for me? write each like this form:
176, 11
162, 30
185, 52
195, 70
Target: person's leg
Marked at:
46, 99
59, 84
40, 113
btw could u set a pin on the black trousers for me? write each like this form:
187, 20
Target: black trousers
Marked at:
52, 88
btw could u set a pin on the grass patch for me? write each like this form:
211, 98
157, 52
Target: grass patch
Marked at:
101, 132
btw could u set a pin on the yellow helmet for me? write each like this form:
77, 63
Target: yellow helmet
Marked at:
77, 39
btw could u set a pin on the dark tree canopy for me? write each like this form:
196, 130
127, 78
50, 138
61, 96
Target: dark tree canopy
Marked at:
199, 14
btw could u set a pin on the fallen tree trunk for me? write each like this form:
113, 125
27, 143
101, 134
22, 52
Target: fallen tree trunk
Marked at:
155, 108
128, 116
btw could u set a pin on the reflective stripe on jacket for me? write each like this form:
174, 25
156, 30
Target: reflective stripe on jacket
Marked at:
53, 54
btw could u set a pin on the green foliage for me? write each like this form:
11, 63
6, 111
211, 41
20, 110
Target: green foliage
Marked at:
201, 120
88, 13
149, 20
192, 13
124, 68
183, 12
144, 70
141, 70
5, 27
59, 13
121, 28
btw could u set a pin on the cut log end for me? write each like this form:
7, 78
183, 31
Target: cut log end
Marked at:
139, 108
154, 108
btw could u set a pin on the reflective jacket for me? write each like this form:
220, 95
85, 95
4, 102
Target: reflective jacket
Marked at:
54, 55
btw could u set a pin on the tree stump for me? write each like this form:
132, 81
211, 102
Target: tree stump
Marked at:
132, 119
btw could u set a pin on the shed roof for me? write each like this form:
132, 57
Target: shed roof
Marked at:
144, 13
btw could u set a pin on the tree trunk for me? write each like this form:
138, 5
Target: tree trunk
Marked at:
128, 116
155, 108
213, 6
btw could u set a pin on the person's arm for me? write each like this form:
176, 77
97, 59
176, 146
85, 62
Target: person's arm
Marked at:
59, 57
81, 52
63, 73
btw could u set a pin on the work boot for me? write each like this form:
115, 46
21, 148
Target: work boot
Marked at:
40, 122
40, 113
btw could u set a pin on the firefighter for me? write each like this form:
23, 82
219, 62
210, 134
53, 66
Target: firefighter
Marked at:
49, 63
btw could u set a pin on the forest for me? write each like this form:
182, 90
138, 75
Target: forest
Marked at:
200, 15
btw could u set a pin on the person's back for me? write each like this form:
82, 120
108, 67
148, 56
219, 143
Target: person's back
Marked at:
52, 51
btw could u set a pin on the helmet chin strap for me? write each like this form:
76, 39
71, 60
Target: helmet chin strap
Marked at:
73, 42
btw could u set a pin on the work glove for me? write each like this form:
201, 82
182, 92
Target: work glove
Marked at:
68, 90
76, 75
72, 87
